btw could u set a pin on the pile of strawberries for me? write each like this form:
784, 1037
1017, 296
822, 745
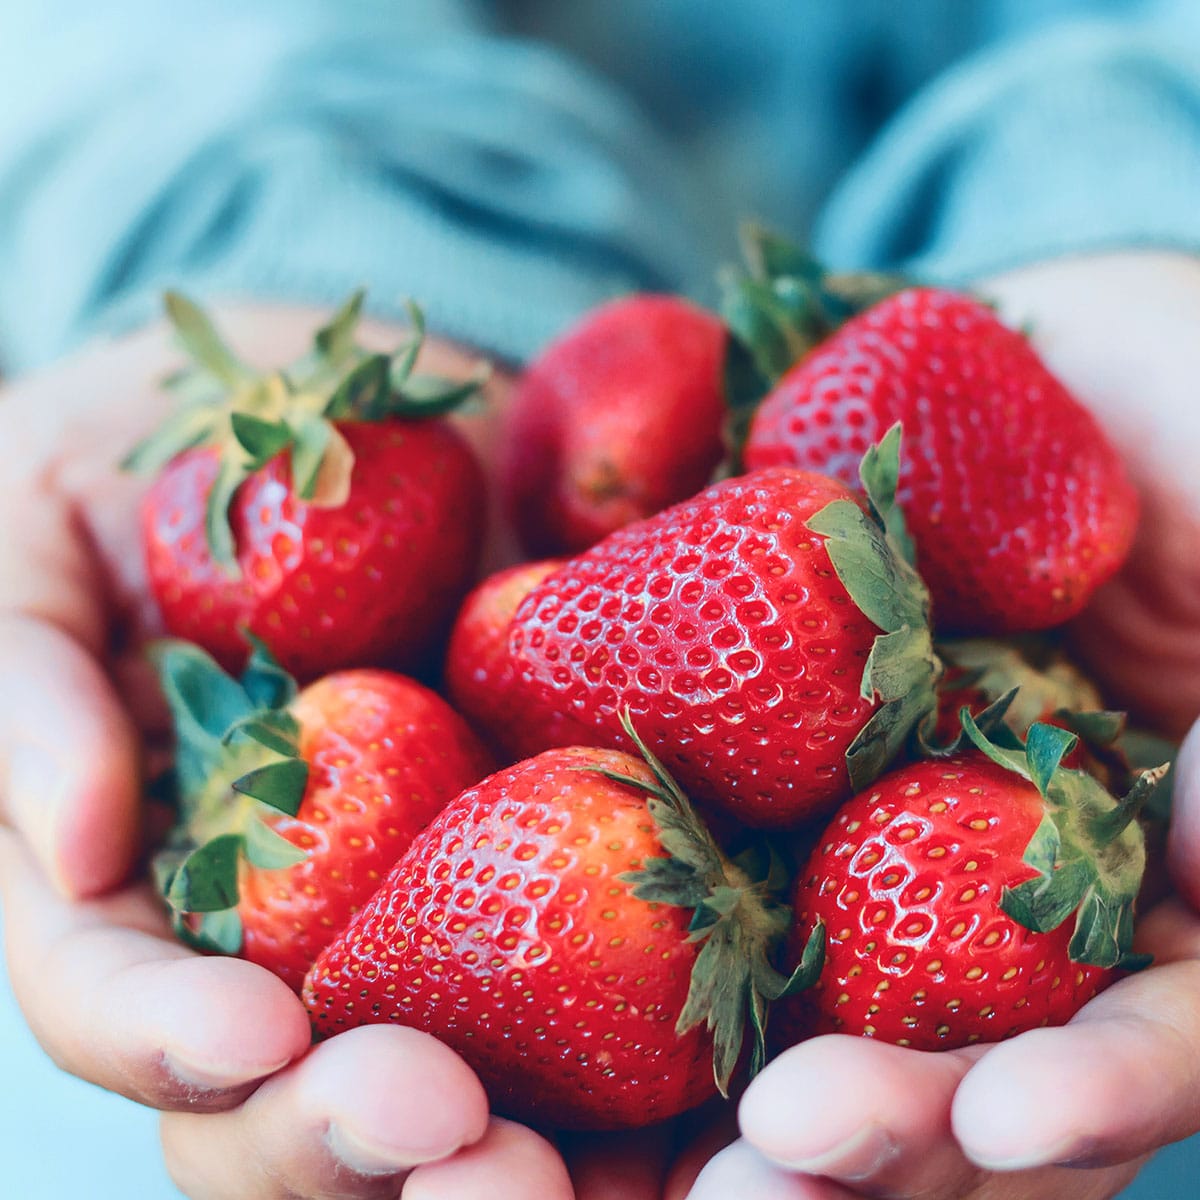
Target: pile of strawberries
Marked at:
782, 741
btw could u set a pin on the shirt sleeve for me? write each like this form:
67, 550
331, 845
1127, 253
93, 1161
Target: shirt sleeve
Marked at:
300, 148
1084, 139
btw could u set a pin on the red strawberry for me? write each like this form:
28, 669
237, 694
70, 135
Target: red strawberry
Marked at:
536, 929
324, 509
743, 629
479, 671
620, 417
945, 892
1018, 504
979, 671
294, 807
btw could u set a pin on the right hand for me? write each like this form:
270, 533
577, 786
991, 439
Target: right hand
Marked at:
219, 1045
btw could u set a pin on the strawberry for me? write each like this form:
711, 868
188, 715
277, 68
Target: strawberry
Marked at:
568, 926
946, 890
294, 807
1019, 505
302, 505
769, 636
1048, 686
478, 672
619, 418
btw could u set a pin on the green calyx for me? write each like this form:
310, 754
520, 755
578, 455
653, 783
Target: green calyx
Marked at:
236, 762
252, 416
1045, 679
778, 307
735, 915
1088, 850
873, 557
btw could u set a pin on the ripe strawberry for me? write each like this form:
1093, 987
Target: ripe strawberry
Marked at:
979, 671
1018, 504
946, 888
536, 928
617, 419
479, 671
743, 630
325, 509
294, 807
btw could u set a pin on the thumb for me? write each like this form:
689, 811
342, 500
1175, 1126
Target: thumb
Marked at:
69, 773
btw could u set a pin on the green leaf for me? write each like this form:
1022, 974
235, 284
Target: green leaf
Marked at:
204, 703
202, 341
262, 440
279, 784
879, 473
765, 325
405, 358
230, 476
335, 341
217, 932
266, 683
1044, 904
1045, 748
769, 255
1100, 728
1103, 931
667, 881
183, 430
1012, 760
207, 880
421, 397
276, 731
901, 671
312, 438
363, 394
270, 850
867, 567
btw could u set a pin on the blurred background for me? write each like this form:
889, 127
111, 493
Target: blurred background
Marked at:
511, 164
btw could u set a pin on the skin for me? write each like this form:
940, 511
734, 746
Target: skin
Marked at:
220, 1047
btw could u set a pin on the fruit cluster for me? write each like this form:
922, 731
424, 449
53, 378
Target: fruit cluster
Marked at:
792, 739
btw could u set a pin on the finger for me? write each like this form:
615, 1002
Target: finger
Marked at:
1122, 1079
351, 1119
618, 1166
509, 1163
861, 1112
1057, 1183
1183, 846
701, 1136
115, 1000
68, 758
739, 1172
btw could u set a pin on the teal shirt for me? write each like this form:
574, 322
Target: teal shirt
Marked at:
512, 163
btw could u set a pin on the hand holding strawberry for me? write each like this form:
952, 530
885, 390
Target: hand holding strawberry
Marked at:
219, 1046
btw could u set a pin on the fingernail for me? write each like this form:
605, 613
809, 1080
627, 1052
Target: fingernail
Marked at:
1064, 1152
214, 1076
368, 1157
859, 1157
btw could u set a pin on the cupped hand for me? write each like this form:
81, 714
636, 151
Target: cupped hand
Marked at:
1069, 1113
220, 1046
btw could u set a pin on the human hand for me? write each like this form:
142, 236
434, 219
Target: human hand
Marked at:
1066, 1113
219, 1045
